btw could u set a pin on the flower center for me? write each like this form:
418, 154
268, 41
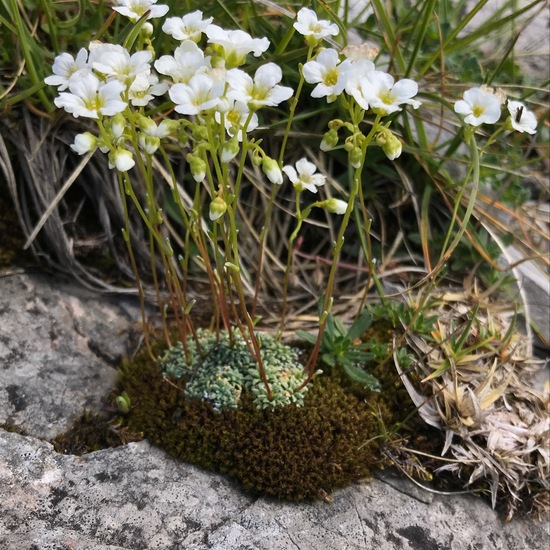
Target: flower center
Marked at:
234, 118
259, 93
477, 111
94, 103
331, 77
138, 9
386, 97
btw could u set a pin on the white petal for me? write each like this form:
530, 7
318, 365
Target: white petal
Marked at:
328, 57
291, 173
404, 89
279, 94
268, 75
305, 168
84, 85
313, 72
239, 80
462, 108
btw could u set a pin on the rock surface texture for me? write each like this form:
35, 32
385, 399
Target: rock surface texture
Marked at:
134, 497
58, 346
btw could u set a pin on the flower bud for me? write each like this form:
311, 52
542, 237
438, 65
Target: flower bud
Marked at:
356, 157
330, 140
147, 30
123, 403
122, 160
147, 124
335, 206
230, 150
118, 123
168, 128
198, 167
182, 137
390, 144
200, 133
272, 171
149, 144
84, 143
218, 207
257, 158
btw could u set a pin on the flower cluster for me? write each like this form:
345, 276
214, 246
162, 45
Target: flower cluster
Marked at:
352, 72
483, 106
218, 103
106, 80
371, 89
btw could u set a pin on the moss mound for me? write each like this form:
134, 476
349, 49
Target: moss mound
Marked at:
293, 453
91, 432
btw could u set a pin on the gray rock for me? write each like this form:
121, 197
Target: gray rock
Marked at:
135, 497
59, 345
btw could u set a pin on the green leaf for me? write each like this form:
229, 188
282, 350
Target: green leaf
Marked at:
328, 358
360, 325
357, 374
307, 336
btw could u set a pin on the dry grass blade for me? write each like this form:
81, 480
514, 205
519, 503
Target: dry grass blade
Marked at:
60, 194
44, 162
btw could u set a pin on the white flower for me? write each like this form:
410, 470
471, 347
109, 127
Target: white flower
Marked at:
188, 61
235, 45
328, 73
89, 98
479, 107
308, 25
118, 63
356, 12
134, 9
521, 119
201, 94
378, 91
304, 176
84, 143
64, 66
357, 83
144, 88
235, 116
122, 160
263, 90
188, 27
